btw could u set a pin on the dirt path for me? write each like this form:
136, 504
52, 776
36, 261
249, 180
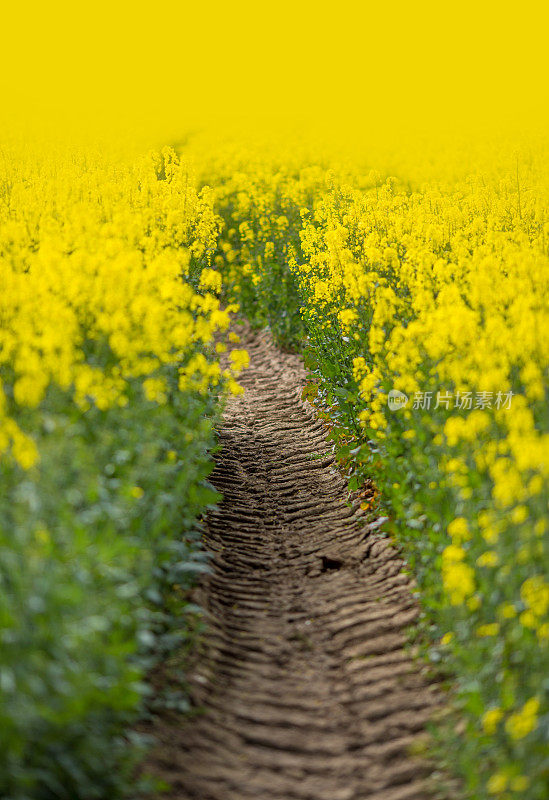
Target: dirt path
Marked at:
307, 690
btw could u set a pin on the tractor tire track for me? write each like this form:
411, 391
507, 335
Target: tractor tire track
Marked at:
306, 688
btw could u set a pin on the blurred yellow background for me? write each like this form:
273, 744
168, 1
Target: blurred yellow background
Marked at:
160, 67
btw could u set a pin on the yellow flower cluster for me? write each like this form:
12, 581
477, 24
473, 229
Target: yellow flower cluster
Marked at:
458, 577
98, 259
448, 286
524, 721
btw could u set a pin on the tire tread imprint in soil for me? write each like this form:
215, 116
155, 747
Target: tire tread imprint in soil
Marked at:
306, 687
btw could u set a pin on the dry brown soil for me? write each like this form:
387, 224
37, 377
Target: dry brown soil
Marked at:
306, 687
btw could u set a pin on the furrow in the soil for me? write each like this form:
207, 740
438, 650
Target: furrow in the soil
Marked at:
305, 687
